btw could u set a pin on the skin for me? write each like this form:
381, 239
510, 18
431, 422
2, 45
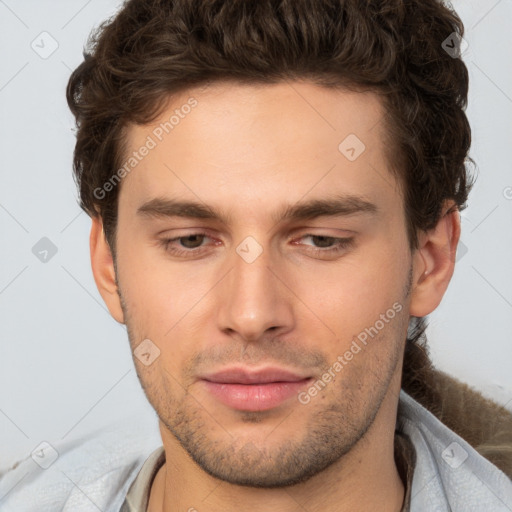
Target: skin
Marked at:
248, 151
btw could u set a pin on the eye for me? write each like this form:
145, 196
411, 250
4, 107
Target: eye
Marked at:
323, 241
192, 241
190, 244
194, 244
326, 245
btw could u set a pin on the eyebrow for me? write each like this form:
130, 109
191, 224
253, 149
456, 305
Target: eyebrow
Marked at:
343, 205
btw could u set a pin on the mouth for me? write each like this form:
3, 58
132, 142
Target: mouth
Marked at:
254, 390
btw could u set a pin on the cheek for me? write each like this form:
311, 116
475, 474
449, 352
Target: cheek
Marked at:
351, 294
169, 299
155, 290
164, 303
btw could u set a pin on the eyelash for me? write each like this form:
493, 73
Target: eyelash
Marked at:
341, 245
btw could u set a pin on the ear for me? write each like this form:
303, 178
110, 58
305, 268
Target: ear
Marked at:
103, 269
434, 262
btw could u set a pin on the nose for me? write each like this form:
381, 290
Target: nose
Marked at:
253, 299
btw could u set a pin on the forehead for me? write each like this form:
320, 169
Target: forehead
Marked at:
231, 142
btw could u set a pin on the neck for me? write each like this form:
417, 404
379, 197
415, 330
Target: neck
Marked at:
366, 478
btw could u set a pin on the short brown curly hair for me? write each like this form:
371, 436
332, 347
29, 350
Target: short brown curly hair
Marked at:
153, 49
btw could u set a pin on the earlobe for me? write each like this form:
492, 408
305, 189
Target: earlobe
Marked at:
103, 269
434, 262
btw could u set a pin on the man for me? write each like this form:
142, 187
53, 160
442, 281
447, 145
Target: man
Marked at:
274, 189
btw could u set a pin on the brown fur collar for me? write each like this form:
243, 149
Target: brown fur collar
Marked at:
484, 424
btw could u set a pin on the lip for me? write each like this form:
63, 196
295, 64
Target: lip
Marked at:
241, 375
254, 390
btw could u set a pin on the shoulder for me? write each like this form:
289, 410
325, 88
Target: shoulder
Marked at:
84, 474
449, 474
484, 424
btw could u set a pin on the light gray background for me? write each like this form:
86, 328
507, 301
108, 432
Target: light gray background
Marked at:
65, 366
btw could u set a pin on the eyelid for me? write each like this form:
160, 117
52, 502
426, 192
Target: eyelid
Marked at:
323, 231
295, 232
207, 233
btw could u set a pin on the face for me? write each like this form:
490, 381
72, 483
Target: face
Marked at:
264, 255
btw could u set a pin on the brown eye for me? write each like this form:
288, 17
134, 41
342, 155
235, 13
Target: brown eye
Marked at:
189, 246
191, 241
323, 241
325, 247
